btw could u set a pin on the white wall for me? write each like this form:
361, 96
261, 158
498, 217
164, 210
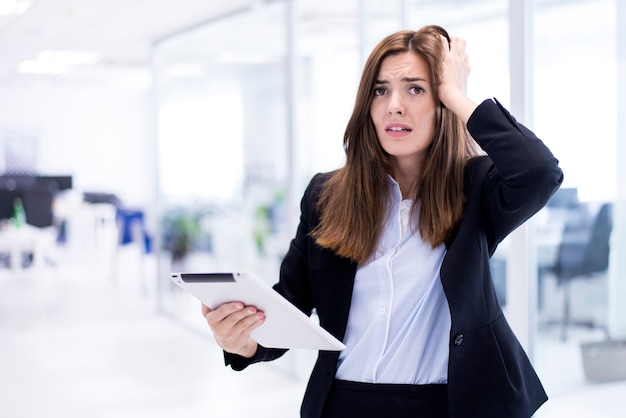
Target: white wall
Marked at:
99, 132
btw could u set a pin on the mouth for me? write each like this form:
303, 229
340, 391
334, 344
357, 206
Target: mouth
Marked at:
397, 129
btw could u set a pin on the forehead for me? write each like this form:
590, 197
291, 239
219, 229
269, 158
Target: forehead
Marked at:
403, 65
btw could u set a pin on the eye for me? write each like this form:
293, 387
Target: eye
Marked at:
379, 91
416, 90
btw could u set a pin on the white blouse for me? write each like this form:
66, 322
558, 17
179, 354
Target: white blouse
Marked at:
399, 324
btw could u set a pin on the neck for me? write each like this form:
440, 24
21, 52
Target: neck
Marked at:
406, 177
407, 184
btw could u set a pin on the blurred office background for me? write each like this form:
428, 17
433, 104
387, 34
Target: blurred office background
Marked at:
140, 137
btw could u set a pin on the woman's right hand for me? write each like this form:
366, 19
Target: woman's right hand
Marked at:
232, 324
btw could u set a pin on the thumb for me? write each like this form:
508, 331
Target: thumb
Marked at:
206, 310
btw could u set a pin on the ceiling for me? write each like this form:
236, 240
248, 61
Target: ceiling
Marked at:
122, 32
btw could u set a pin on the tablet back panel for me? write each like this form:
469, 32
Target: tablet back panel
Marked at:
285, 325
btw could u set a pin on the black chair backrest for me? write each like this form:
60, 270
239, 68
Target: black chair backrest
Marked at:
584, 248
599, 243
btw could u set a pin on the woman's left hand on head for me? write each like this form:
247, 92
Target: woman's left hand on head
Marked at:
455, 70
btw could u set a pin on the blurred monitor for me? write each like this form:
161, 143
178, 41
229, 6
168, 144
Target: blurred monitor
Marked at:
64, 182
6, 203
36, 193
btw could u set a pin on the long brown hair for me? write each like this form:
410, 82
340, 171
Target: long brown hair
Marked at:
353, 204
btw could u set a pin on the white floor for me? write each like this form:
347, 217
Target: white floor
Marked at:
84, 340
74, 342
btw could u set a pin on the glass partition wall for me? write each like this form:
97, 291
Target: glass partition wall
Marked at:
220, 104
579, 239
251, 105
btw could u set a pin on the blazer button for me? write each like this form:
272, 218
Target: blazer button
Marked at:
458, 340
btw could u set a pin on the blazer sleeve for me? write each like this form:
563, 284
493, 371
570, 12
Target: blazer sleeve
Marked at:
523, 175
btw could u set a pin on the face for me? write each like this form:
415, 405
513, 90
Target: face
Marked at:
403, 109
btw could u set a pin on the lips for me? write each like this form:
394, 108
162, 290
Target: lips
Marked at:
397, 129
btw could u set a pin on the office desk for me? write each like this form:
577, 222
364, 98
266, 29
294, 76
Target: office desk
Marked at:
25, 239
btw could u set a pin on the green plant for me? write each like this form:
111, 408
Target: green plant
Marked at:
181, 230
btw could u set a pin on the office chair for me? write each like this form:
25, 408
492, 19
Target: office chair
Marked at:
583, 253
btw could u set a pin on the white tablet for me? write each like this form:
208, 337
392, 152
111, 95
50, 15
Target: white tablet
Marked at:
285, 325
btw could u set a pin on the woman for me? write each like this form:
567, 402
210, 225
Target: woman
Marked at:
392, 250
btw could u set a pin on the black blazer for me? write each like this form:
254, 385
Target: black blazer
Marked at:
489, 374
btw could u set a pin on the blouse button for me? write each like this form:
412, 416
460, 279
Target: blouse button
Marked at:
458, 340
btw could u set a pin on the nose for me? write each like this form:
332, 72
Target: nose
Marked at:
395, 105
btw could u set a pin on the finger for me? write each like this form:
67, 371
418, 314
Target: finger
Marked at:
457, 45
243, 318
235, 330
246, 324
445, 44
205, 310
224, 320
224, 311
225, 316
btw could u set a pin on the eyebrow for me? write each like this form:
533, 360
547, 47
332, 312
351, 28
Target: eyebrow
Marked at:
405, 79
